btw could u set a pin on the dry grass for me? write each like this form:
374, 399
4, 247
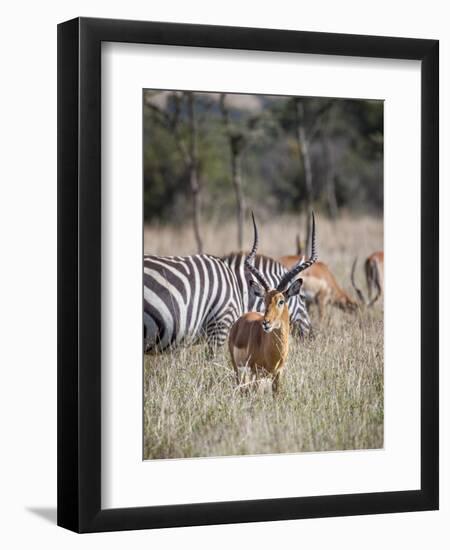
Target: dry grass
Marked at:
277, 237
331, 396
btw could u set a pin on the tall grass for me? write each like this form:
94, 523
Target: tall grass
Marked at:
331, 395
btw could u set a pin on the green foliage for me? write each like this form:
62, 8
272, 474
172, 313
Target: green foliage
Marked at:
164, 173
345, 139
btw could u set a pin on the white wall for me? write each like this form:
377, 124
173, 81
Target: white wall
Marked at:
28, 271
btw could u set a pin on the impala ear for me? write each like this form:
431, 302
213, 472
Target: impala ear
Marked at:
294, 289
256, 288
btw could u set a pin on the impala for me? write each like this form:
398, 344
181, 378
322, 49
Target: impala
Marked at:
259, 342
374, 271
320, 285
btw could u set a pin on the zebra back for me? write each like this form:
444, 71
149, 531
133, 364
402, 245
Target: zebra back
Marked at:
273, 271
186, 297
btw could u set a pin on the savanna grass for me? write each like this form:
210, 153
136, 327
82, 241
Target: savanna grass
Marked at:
331, 395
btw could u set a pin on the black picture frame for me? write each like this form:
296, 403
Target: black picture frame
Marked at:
79, 274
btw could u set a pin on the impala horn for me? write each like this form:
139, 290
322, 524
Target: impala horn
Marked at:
250, 259
302, 264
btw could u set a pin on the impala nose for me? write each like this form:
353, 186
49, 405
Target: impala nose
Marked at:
266, 326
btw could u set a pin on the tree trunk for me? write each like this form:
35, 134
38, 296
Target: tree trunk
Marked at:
193, 172
307, 165
331, 174
196, 210
237, 143
236, 174
305, 159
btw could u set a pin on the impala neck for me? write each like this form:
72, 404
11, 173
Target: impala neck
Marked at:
280, 336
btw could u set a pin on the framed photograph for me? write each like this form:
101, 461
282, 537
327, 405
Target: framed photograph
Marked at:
232, 346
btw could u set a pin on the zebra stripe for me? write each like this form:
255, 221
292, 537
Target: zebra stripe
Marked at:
186, 298
273, 271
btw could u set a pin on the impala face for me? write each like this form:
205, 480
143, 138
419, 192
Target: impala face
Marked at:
276, 303
275, 306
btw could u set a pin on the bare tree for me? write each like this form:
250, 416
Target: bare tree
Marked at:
303, 150
307, 125
330, 188
237, 141
193, 170
188, 149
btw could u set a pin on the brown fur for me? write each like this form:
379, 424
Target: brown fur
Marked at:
320, 283
263, 353
374, 270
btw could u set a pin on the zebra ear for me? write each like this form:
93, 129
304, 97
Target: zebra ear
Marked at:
294, 288
256, 288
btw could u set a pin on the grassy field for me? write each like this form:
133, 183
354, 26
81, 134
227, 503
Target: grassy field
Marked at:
331, 397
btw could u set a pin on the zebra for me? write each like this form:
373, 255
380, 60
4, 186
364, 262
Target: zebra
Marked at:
273, 272
187, 297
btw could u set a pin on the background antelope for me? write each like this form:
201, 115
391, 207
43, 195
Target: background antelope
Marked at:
188, 297
374, 272
320, 285
259, 342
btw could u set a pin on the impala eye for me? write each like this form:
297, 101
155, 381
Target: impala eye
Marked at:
281, 303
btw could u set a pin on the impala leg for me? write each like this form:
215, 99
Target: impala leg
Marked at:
244, 377
378, 288
276, 383
321, 301
369, 278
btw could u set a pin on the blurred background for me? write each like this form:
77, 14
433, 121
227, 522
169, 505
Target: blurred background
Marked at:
209, 158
